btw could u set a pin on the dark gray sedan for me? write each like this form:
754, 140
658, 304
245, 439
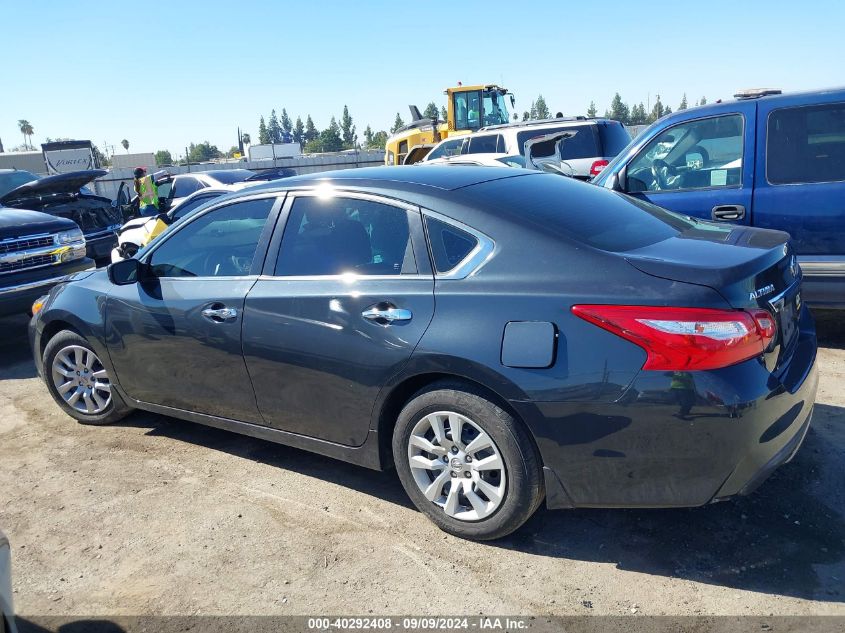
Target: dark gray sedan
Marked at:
499, 336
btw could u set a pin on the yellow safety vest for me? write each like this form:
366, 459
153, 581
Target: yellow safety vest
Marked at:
148, 191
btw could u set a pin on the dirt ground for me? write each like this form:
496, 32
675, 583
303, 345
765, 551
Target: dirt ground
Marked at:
156, 515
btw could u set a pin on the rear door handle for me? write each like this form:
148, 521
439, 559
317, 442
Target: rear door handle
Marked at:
386, 314
728, 212
220, 314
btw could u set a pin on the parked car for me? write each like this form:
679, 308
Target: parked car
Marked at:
138, 232
7, 611
173, 189
595, 143
275, 173
766, 159
65, 195
487, 331
37, 250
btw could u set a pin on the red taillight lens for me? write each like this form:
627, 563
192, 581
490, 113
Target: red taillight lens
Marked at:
686, 338
597, 166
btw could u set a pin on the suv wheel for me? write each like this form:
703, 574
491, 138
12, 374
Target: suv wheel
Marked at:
78, 381
466, 463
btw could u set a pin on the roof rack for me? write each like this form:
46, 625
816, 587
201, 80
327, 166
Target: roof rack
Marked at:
535, 122
756, 93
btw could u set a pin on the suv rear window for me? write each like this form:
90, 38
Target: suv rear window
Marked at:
585, 144
587, 214
614, 138
806, 144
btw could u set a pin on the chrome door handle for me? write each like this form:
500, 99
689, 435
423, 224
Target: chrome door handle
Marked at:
387, 315
219, 315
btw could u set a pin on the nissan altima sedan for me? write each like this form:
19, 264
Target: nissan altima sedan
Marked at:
501, 337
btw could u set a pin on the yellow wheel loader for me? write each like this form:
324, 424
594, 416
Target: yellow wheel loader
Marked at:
468, 109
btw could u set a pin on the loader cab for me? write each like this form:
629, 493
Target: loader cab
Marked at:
474, 107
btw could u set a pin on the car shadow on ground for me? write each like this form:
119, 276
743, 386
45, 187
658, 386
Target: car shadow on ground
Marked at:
830, 327
15, 357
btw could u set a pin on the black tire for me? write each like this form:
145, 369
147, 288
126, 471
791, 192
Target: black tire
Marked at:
116, 408
524, 491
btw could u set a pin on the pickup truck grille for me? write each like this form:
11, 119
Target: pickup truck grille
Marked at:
25, 243
28, 262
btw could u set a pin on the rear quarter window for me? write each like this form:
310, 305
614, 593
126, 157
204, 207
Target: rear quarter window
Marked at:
578, 211
449, 245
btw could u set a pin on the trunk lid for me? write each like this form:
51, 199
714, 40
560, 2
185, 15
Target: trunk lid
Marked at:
61, 184
750, 268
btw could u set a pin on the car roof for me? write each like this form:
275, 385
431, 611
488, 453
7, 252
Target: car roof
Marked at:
717, 106
558, 122
397, 177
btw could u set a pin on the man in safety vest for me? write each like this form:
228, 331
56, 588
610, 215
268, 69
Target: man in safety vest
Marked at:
147, 192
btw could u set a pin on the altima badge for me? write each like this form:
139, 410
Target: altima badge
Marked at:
761, 292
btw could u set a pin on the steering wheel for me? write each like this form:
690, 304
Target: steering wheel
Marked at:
661, 171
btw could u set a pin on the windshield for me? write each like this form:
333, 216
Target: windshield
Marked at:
230, 176
495, 109
13, 180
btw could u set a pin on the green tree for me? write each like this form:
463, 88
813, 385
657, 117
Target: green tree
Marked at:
331, 138
397, 123
591, 111
298, 131
431, 111
368, 136
379, 140
100, 158
444, 114
246, 139
619, 110
703, 101
263, 134
532, 111
526, 115
202, 152
657, 111
163, 157
350, 139
542, 108
285, 121
311, 132
274, 129
683, 105
638, 115
27, 130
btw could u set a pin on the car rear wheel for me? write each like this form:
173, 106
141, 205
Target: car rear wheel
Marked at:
78, 381
466, 463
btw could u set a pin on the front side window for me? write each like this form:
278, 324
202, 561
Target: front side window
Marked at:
700, 154
221, 243
806, 144
495, 110
339, 235
451, 147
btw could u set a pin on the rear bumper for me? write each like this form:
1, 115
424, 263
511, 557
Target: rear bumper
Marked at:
662, 447
19, 291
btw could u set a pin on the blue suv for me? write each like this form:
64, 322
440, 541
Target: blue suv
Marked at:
766, 159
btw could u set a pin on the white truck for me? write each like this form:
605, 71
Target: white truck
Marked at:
272, 151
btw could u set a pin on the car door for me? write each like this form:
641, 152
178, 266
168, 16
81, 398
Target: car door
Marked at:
800, 185
174, 338
702, 167
339, 310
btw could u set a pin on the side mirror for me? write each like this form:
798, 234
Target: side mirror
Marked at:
619, 180
128, 271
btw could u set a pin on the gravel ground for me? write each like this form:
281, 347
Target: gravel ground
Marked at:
156, 515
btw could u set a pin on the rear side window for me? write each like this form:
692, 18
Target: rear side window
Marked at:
485, 144
806, 144
185, 187
587, 214
584, 144
449, 245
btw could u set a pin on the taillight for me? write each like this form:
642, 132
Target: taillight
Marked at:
686, 338
597, 167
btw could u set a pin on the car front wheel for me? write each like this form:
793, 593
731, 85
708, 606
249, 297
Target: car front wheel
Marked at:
78, 381
467, 463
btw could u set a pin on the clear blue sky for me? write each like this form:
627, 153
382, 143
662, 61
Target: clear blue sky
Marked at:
163, 74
